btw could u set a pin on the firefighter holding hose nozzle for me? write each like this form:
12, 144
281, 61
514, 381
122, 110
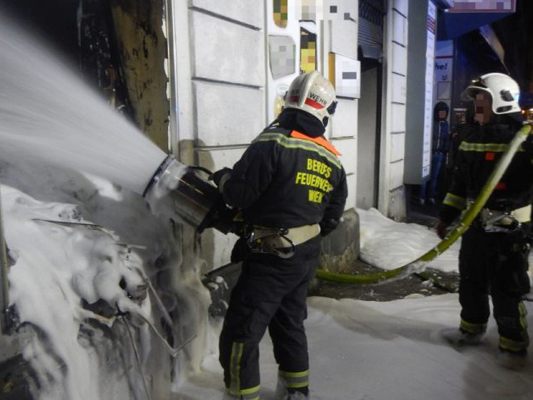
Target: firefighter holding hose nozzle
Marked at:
493, 260
291, 189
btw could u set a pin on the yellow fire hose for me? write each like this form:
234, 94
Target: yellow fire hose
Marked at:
469, 215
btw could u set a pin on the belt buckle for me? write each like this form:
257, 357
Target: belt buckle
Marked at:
498, 221
265, 244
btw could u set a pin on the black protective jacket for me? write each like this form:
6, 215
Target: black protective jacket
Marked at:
478, 154
287, 179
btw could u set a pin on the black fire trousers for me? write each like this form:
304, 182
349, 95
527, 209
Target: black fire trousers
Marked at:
495, 265
271, 293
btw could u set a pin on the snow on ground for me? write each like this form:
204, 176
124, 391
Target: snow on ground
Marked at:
364, 350
388, 244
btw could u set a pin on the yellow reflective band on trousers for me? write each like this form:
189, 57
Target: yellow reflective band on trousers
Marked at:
517, 345
523, 314
295, 380
235, 367
474, 329
250, 394
512, 345
235, 371
454, 201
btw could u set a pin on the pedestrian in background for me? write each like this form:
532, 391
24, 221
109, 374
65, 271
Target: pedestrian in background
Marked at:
440, 145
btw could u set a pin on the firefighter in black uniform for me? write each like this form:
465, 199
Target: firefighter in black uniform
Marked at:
493, 259
291, 188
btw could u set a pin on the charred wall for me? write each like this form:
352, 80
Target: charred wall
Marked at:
142, 46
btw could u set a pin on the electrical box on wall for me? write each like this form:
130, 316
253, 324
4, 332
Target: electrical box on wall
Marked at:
345, 74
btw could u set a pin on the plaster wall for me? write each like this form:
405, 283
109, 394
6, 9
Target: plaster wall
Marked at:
226, 92
391, 198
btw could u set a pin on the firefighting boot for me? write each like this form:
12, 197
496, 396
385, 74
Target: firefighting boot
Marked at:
513, 360
292, 386
282, 393
281, 389
459, 338
296, 396
228, 396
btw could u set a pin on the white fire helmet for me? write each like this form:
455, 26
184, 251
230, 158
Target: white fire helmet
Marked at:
314, 94
503, 90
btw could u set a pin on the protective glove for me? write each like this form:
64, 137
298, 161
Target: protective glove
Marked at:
240, 251
442, 229
220, 176
528, 144
328, 225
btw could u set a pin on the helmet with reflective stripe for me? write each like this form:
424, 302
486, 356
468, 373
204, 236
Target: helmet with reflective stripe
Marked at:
312, 93
503, 90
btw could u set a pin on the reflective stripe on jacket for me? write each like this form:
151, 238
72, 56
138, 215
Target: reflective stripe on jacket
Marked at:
287, 179
475, 161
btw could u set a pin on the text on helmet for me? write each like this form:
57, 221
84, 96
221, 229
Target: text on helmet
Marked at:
315, 97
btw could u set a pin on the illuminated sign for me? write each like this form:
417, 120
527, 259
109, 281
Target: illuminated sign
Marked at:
484, 6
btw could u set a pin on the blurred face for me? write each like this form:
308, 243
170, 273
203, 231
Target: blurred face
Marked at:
482, 108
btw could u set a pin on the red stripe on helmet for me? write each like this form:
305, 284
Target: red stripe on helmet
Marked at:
313, 103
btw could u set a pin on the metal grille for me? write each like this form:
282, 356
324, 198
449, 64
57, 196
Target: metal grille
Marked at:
371, 14
372, 11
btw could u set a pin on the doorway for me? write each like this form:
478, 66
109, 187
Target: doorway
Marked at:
369, 133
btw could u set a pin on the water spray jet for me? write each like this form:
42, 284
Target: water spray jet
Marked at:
48, 114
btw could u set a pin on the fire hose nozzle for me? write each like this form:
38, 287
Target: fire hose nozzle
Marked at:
178, 190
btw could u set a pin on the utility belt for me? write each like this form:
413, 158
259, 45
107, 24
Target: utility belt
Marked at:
280, 242
504, 221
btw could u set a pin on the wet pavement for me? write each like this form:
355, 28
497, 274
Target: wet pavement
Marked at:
430, 282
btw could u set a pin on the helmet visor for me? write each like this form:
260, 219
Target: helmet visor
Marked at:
332, 107
474, 88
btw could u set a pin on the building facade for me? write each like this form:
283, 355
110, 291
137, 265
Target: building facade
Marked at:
231, 63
